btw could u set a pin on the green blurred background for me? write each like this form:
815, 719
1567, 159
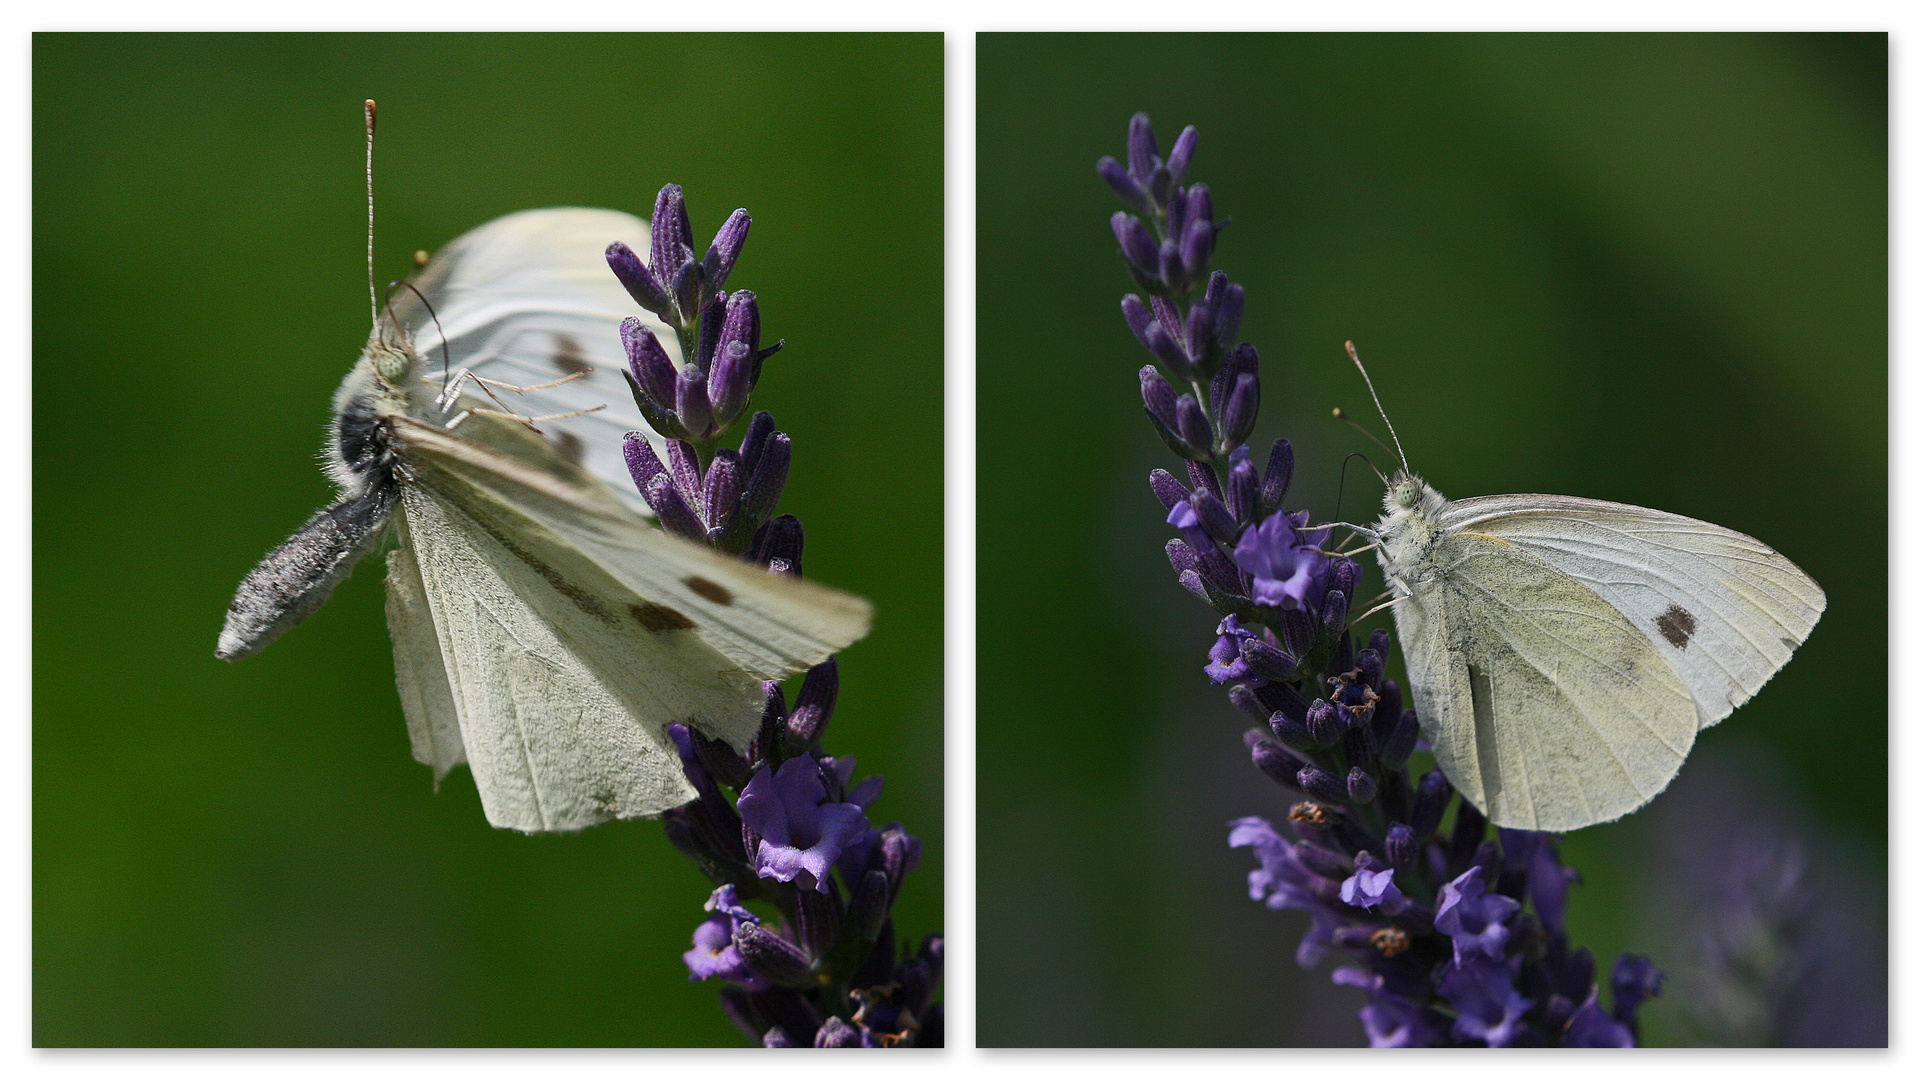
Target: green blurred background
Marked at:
246, 854
1650, 269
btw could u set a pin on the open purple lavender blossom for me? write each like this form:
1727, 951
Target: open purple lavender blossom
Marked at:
1457, 938
783, 823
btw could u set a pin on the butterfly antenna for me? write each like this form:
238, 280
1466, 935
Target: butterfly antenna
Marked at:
1340, 414
1355, 353
1341, 494
373, 292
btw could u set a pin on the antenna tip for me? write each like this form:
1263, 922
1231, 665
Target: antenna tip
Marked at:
1339, 413
419, 259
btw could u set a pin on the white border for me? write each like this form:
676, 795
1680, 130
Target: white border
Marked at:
960, 21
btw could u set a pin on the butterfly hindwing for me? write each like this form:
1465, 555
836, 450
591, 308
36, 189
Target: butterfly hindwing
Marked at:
1544, 705
563, 681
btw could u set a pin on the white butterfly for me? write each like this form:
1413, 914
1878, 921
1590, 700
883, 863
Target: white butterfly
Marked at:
1563, 652
544, 631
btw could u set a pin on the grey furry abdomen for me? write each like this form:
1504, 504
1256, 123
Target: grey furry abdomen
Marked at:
298, 576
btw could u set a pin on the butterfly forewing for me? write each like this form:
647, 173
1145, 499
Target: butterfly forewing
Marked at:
1725, 610
1544, 705
767, 625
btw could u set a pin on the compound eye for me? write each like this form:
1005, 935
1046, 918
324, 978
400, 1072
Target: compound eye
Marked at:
1406, 496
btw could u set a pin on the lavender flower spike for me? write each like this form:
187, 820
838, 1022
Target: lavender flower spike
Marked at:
775, 823
1433, 926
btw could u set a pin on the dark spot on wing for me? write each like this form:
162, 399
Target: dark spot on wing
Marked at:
712, 591
1676, 625
659, 618
570, 446
568, 356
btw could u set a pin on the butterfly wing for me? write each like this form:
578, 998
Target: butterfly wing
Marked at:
1545, 706
764, 624
1725, 610
527, 299
561, 681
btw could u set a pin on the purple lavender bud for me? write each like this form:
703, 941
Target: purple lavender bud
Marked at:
1161, 401
1165, 488
1215, 517
652, 369
1358, 742
725, 249
1371, 667
1136, 243
1265, 660
814, 705
776, 1037
1273, 487
1229, 304
1402, 848
1281, 697
1191, 581
685, 287
1469, 829
1281, 766
767, 481
1193, 427
773, 957
1168, 351
1243, 488
1429, 804
1321, 860
1143, 154
732, 370
1138, 318
1182, 153
1634, 980
1323, 722
1199, 205
1343, 653
674, 514
672, 236
691, 403
1386, 711
1243, 408
1398, 746
1243, 360
1196, 247
1381, 643
1292, 733
817, 921
1160, 186
642, 463
1202, 478
1322, 785
684, 463
1197, 336
754, 442
1243, 698
722, 491
778, 545
1360, 786
1125, 185
713, 320
1172, 270
1334, 615
867, 909
837, 1034
639, 282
